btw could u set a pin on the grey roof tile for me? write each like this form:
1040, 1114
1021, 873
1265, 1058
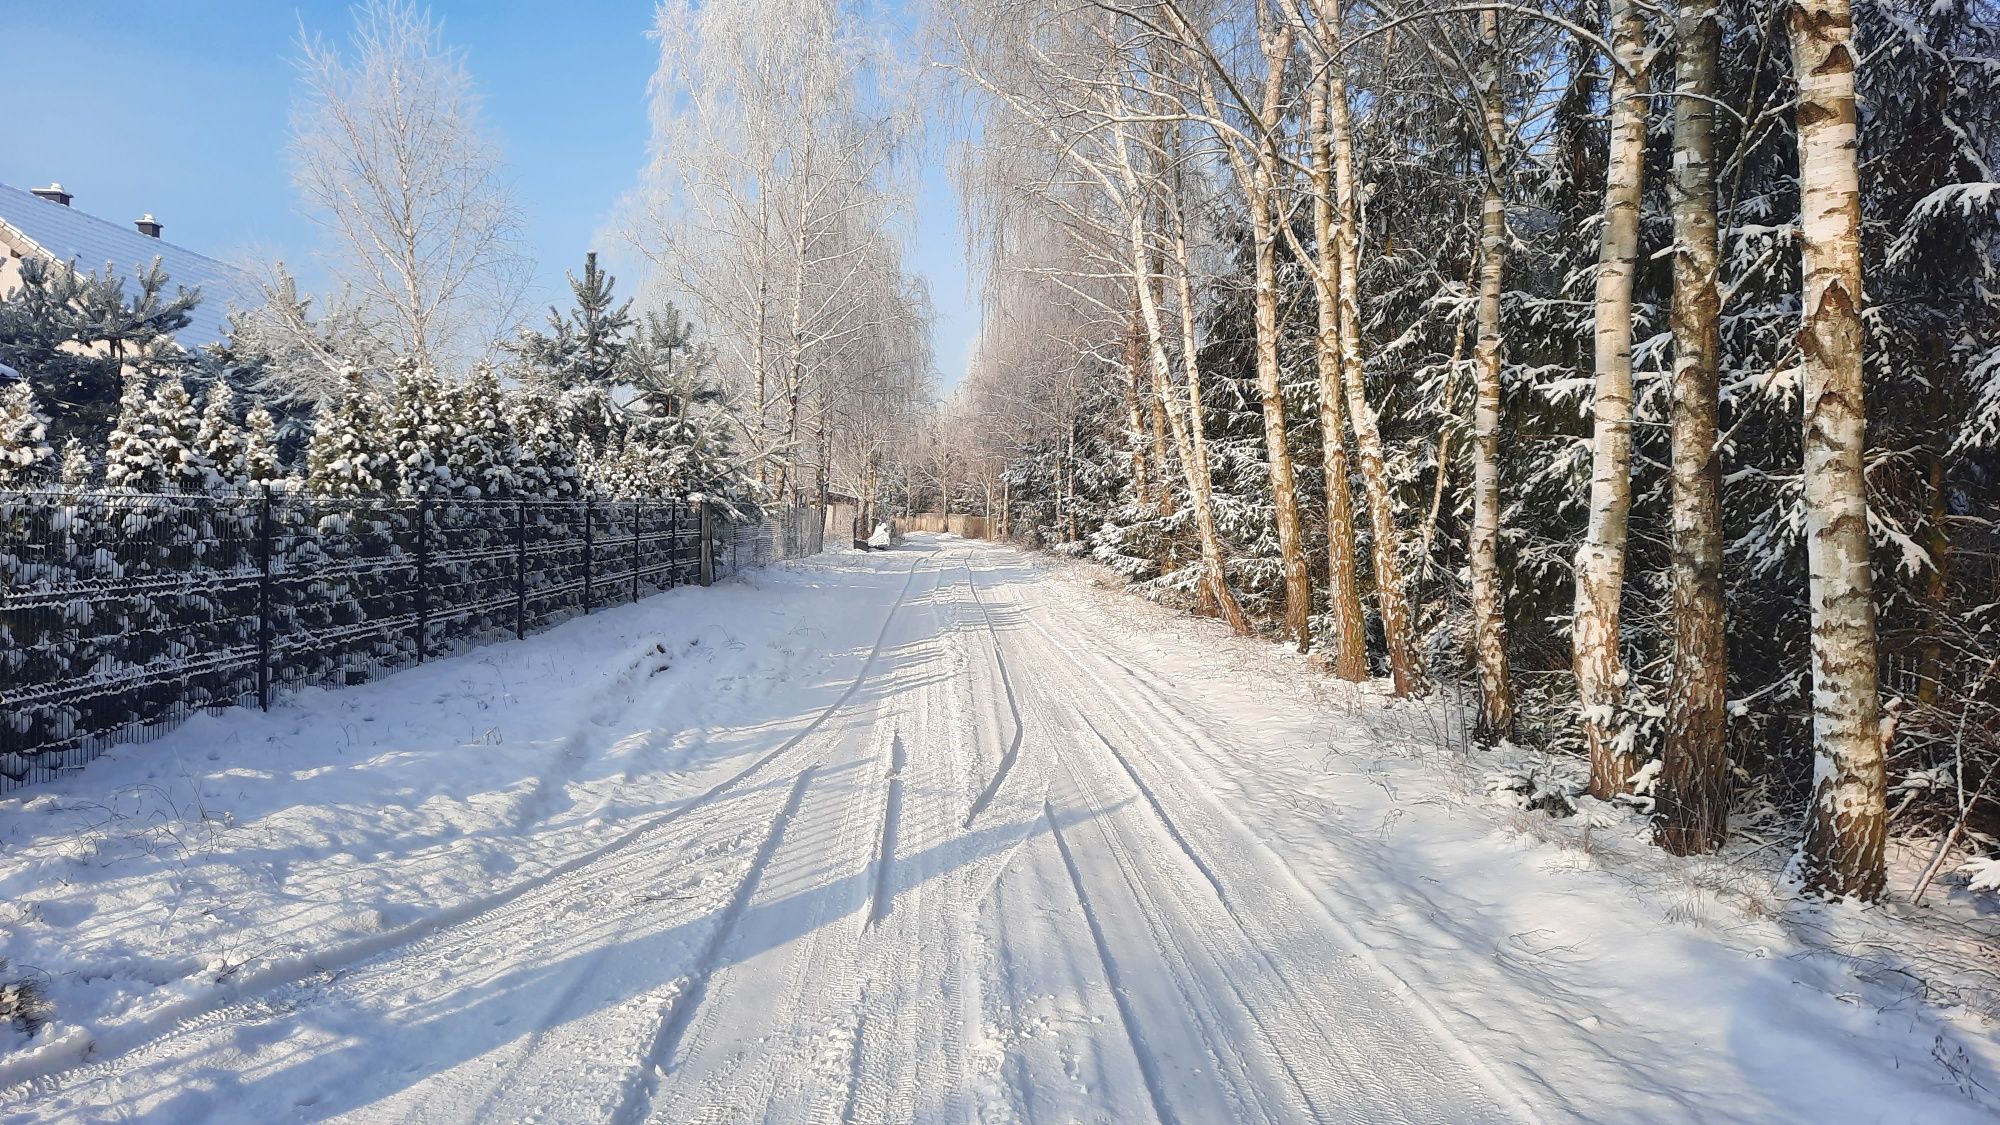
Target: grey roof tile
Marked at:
66, 233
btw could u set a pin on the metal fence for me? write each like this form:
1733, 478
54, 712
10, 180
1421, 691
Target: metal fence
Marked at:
121, 614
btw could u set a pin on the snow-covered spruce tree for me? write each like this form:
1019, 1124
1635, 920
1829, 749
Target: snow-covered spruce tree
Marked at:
27, 460
31, 529
588, 414
348, 457
219, 441
585, 346
349, 471
228, 528
176, 430
548, 456
131, 459
260, 464
687, 442
152, 448
589, 467
418, 429
483, 458
545, 475
77, 473
484, 452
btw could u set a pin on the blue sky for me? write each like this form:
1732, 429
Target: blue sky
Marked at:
181, 109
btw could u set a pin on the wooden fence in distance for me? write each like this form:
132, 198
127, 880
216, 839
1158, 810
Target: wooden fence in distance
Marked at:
969, 527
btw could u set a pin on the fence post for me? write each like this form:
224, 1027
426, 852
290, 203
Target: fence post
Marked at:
673, 543
423, 575
264, 601
637, 507
586, 551
707, 546
520, 567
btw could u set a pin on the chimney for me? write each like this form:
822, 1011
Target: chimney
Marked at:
148, 225
54, 193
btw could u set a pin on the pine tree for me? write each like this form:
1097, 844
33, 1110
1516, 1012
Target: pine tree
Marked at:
80, 332
419, 432
176, 428
587, 414
77, 471
345, 458
26, 458
131, 457
585, 347
484, 453
260, 465
219, 442
663, 353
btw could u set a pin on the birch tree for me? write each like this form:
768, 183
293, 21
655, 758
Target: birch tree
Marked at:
1842, 854
1489, 618
1258, 174
1335, 147
1693, 794
390, 158
1600, 561
778, 132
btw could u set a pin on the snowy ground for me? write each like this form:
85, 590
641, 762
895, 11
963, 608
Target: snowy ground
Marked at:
928, 834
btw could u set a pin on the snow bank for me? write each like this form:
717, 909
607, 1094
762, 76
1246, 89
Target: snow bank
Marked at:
247, 849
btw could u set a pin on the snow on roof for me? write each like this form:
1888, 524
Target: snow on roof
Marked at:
65, 233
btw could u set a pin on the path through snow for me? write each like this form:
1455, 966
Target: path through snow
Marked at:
922, 835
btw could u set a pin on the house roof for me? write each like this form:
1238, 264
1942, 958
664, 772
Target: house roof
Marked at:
65, 233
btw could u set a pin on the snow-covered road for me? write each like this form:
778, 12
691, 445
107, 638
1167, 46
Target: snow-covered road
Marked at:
997, 857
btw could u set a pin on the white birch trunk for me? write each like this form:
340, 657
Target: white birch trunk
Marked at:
1600, 561
1842, 852
1693, 792
1262, 190
1135, 423
1350, 638
1489, 619
1390, 596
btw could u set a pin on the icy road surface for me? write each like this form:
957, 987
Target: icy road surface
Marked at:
999, 853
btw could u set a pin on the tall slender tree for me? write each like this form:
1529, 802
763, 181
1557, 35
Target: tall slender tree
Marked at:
1600, 561
1693, 793
1842, 855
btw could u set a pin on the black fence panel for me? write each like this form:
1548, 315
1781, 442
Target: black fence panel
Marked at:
123, 613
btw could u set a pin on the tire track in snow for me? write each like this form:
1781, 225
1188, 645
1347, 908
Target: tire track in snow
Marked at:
906, 1042
685, 999
1013, 751
782, 1022
1231, 1059
885, 847
36, 1075
1149, 1067
1186, 729
1166, 822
